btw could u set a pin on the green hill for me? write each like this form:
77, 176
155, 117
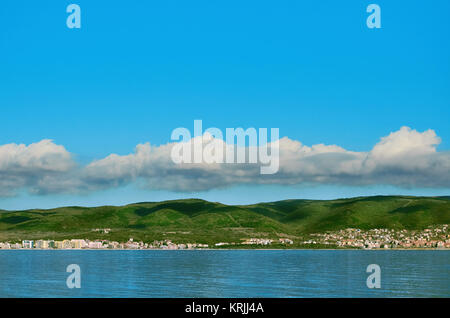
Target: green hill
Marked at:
208, 222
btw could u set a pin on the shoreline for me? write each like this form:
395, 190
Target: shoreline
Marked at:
234, 249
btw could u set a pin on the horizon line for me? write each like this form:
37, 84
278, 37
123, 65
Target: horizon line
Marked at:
232, 205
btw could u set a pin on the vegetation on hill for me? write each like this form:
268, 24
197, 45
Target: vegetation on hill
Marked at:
200, 221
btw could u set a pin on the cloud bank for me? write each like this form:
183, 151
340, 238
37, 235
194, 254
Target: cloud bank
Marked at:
405, 158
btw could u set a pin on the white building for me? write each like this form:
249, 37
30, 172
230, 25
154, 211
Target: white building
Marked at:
27, 244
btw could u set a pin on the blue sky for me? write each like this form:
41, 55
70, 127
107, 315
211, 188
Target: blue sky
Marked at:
136, 70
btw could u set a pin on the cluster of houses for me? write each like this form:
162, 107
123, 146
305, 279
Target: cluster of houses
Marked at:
437, 237
103, 231
258, 241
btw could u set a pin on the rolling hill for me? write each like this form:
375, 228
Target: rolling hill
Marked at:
195, 220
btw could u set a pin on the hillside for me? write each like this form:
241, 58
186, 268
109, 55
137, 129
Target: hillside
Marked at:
202, 221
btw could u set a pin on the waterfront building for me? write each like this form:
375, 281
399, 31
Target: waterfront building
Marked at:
66, 244
78, 244
95, 245
27, 244
41, 244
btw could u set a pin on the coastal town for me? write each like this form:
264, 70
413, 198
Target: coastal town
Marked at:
129, 245
99, 244
435, 238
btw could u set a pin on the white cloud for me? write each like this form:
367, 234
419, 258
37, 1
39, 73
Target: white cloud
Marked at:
24, 166
405, 158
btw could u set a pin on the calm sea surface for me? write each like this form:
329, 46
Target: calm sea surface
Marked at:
224, 273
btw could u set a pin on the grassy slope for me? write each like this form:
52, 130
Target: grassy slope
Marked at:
207, 222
